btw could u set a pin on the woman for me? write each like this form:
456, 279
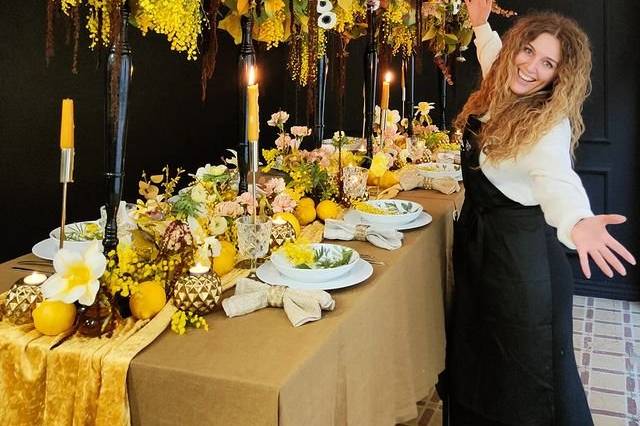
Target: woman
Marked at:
510, 354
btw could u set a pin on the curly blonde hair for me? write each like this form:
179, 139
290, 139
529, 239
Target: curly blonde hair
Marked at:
518, 122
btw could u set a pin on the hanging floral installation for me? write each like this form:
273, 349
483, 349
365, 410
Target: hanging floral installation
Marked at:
305, 26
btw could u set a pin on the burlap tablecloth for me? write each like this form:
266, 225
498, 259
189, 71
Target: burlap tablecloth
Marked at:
366, 363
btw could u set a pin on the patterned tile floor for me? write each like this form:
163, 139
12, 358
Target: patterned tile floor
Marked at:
606, 338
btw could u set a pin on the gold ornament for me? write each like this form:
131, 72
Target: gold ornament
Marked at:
197, 293
281, 233
21, 301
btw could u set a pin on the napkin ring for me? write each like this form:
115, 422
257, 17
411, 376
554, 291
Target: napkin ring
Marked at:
361, 232
428, 183
275, 294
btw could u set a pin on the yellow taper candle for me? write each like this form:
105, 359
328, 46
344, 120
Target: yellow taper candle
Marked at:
384, 102
66, 124
253, 127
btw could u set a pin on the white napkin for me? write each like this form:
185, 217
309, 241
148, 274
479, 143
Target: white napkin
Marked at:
301, 306
410, 178
385, 238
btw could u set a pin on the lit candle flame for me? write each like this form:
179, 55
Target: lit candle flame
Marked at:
387, 77
252, 76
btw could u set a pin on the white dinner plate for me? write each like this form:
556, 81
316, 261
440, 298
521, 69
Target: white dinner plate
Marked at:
270, 275
354, 217
45, 249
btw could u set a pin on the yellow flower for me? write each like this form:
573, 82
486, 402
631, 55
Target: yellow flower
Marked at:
231, 24
77, 276
379, 164
298, 254
272, 6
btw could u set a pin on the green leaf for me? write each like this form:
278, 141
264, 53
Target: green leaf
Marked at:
431, 33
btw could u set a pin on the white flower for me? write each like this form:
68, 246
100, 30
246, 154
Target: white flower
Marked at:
392, 117
327, 20
455, 4
197, 231
324, 6
373, 4
76, 277
233, 160
278, 119
208, 169
217, 225
338, 135
213, 246
198, 194
424, 108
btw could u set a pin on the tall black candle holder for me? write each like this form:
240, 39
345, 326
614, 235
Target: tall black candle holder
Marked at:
321, 93
370, 78
118, 61
246, 60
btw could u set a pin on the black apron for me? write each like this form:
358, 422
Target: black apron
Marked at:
509, 340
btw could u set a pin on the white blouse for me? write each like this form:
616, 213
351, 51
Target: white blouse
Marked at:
543, 175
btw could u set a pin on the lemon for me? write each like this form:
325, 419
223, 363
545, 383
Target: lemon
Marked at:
52, 317
226, 260
148, 300
387, 180
307, 202
305, 213
328, 209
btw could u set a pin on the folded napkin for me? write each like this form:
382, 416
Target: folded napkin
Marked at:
410, 178
385, 238
301, 306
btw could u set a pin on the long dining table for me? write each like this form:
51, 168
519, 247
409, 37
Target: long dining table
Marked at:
365, 363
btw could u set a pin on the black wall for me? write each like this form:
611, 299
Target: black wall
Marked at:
168, 124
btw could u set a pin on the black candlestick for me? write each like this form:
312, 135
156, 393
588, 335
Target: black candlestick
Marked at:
116, 130
321, 91
246, 60
370, 79
408, 105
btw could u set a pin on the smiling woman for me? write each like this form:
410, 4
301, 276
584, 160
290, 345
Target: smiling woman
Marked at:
536, 65
513, 283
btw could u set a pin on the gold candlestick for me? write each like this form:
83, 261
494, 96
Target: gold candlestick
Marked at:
66, 177
253, 169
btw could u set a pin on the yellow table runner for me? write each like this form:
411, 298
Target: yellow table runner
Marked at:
66, 380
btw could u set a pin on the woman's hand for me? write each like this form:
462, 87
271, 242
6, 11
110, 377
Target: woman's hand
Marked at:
592, 240
479, 11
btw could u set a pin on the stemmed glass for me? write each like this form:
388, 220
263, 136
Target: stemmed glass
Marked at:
254, 234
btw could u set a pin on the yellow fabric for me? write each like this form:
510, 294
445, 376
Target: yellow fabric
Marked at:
66, 380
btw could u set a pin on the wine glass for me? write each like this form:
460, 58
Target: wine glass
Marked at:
253, 238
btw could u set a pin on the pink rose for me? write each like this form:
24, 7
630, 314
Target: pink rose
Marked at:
229, 209
274, 186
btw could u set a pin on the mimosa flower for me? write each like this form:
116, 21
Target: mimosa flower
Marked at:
77, 276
